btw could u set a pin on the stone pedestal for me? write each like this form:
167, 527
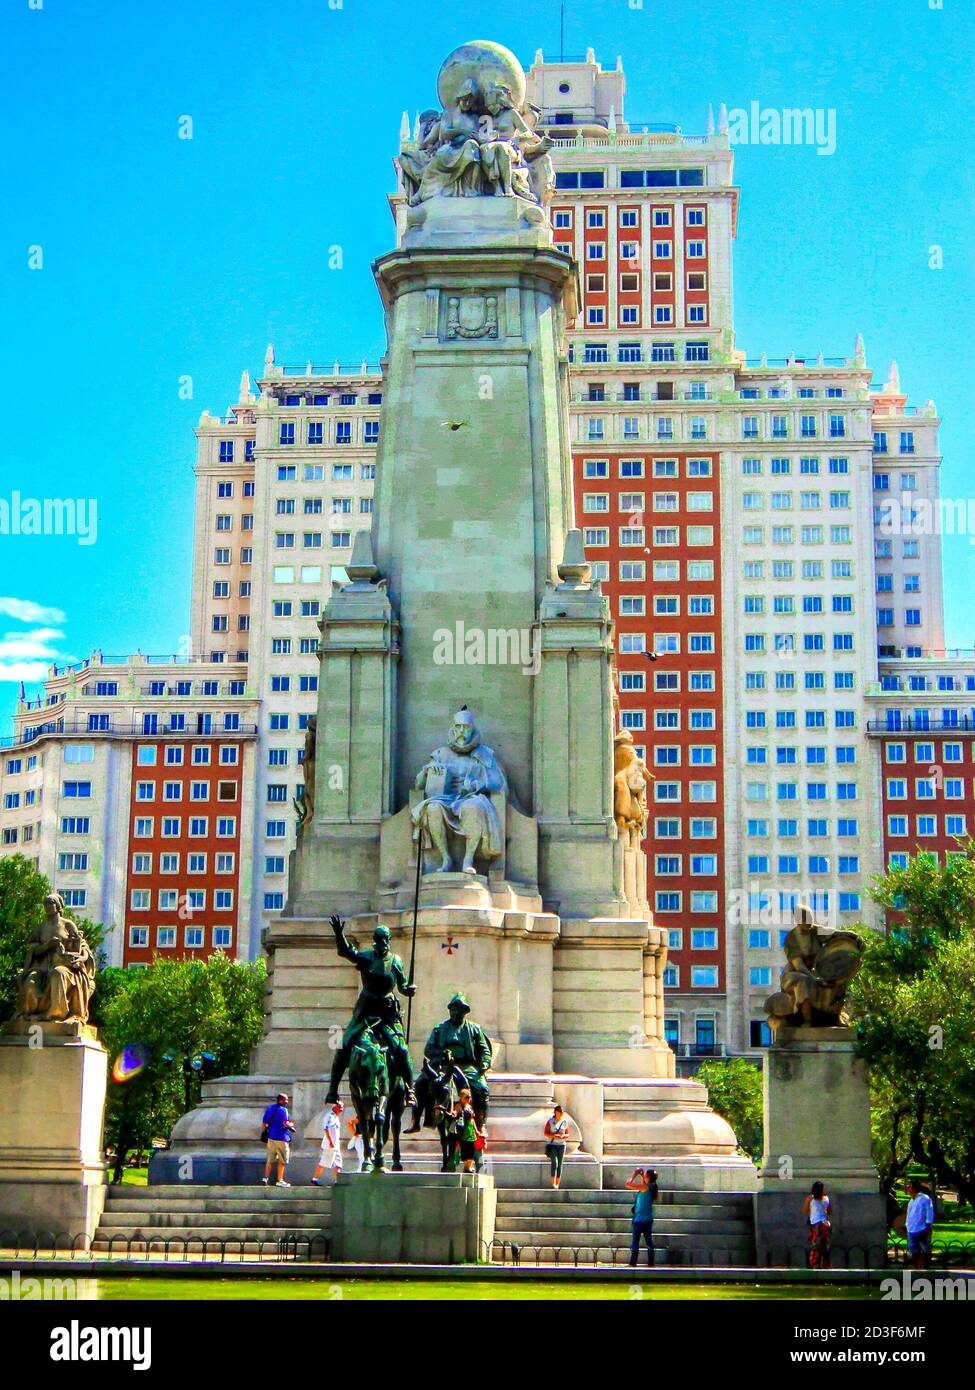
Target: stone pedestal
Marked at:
817, 1127
615, 1125
502, 956
53, 1078
412, 1218
668, 1125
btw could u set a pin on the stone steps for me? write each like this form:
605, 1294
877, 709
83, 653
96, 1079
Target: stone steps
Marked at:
581, 1211
571, 1195
238, 1221
261, 1217
568, 1225
250, 1192
187, 1201
510, 1224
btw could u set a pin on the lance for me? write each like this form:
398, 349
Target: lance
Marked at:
416, 904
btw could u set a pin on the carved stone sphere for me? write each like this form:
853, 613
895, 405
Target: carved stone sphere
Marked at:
484, 63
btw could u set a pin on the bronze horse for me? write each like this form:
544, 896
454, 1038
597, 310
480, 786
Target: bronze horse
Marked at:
435, 1104
379, 1103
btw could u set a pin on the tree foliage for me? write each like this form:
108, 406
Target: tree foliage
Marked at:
914, 1006
735, 1092
186, 1021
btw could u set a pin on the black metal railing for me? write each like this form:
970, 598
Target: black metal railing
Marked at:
290, 1247
952, 1254
964, 724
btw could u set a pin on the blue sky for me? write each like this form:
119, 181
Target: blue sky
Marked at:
165, 258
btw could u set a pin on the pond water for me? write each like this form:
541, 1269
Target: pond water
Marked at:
491, 1291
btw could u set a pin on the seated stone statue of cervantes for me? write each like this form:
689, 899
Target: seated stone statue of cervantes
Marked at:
458, 781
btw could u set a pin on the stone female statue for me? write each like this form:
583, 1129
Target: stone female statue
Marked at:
58, 978
414, 160
541, 170
630, 778
455, 168
502, 159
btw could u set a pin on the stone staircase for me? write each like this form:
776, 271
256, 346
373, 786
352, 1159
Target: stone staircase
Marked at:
534, 1224
251, 1221
575, 1225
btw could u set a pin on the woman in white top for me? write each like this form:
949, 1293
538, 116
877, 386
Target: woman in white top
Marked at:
556, 1136
816, 1209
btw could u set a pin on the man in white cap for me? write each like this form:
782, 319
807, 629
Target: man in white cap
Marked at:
331, 1154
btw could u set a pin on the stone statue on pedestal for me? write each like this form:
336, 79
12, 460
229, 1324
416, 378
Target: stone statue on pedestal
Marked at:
377, 1007
458, 781
821, 963
305, 804
484, 142
630, 781
541, 170
414, 160
58, 978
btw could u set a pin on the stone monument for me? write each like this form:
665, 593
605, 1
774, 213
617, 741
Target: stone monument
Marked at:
53, 1079
816, 1098
465, 760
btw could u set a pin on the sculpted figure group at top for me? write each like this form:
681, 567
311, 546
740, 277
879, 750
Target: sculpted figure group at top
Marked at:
480, 145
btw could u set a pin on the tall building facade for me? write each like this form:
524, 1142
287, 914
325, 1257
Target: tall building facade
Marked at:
284, 479
754, 523
127, 785
735, 507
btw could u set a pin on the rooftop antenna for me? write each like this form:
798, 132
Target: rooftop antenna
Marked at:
561, 31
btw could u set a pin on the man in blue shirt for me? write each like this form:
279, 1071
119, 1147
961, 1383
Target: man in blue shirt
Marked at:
920, 1224
644, 1184
279, 1129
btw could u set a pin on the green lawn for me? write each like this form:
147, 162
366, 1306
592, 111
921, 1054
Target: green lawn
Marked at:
945, 1232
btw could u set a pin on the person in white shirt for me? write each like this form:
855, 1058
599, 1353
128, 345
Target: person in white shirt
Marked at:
331, 1154
920, 1224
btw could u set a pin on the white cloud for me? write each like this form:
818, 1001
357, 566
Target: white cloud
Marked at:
24, 610
36, 642
26, 671
27, 654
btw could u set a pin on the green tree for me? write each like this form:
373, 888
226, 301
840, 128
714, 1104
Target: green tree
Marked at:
22, 893
914, 1006
189, 1020
735, 1092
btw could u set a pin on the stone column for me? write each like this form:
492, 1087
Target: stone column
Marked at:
53, 1079
335, 864
473, 490
581, 854
817, 1127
